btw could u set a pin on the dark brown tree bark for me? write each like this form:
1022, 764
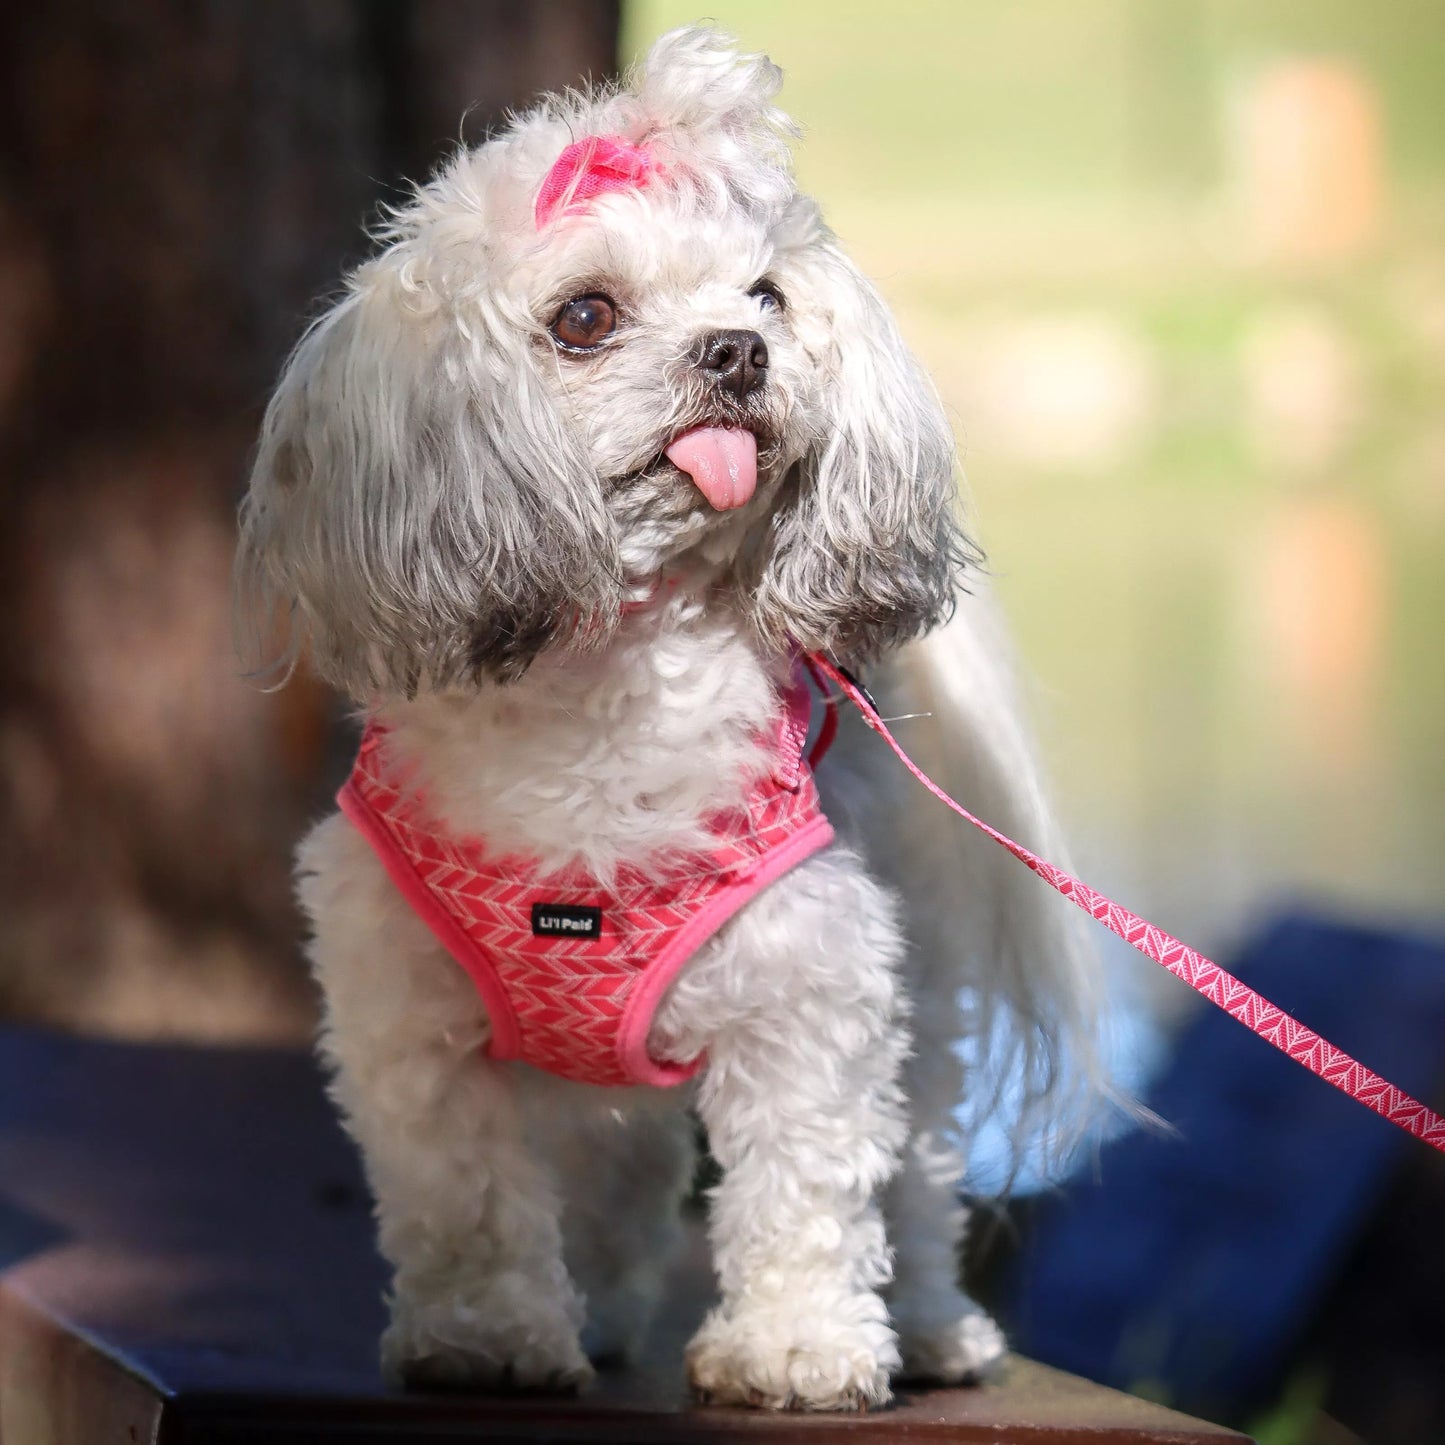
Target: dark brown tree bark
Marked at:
178, 182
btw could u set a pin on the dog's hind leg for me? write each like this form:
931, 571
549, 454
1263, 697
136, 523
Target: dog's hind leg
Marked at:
943, 1334
467, 1213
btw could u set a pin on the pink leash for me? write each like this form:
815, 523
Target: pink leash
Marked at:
1237, 999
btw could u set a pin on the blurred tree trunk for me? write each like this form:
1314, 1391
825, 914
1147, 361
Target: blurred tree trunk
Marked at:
178, 182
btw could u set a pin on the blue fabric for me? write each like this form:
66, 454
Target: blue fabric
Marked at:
1190, 1265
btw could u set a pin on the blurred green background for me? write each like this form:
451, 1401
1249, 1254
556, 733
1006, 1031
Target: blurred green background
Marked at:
1177, 270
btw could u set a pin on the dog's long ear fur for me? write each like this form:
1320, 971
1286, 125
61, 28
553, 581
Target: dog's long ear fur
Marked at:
866, 549
418, 509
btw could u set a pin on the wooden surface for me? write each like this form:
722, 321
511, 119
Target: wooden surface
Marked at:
185, 1256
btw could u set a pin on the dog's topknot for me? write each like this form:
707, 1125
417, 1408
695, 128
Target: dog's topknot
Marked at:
698, 102
699, 96
697, 79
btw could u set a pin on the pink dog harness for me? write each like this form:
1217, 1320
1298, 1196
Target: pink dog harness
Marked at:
572, 971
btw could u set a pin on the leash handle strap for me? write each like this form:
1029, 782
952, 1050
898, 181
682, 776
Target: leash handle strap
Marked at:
1237, 999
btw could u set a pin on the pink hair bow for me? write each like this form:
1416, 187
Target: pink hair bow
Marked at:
589, 168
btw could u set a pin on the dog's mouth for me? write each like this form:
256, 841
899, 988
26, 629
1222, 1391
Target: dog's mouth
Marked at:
721, 460
727, 456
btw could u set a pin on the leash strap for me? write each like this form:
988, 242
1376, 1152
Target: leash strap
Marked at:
1237, 999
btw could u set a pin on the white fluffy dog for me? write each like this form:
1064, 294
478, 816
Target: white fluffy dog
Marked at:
608, 434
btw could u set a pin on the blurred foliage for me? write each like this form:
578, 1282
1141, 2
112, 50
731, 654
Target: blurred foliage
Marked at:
1053, 99
1201, 416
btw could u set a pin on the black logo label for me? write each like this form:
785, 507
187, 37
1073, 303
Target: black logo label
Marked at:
565, 920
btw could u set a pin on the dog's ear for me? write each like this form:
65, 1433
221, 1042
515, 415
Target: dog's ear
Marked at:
866, 548
419, 512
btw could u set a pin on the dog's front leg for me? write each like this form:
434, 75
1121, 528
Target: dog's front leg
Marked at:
466, 1213
798, 1008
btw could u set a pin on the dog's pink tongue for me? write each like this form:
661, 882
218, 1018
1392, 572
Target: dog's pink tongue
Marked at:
722, 460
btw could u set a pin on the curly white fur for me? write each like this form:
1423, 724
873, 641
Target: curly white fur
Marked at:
455, 515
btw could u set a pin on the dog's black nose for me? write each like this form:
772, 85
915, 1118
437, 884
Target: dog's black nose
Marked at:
736, 360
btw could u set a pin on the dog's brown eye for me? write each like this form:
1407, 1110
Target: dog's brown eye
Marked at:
585, 322
769, 295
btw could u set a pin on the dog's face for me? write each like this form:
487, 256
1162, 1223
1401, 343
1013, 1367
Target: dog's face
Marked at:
613, 345
667, 335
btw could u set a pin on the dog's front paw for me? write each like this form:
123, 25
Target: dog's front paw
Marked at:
781, 1357
959, 1351
494, 1343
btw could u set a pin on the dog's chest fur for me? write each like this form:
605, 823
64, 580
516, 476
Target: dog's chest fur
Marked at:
601, 759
